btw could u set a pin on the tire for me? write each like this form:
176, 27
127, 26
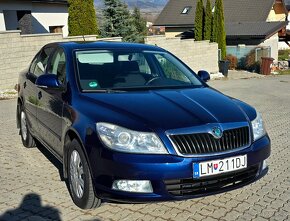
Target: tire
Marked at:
79, 178
26, 137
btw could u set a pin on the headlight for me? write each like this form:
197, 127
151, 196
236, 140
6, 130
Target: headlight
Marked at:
258, 126
125, 140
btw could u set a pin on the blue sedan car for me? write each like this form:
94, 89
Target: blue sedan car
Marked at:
132, 123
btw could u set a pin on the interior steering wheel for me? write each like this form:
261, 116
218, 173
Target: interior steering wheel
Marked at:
152, 80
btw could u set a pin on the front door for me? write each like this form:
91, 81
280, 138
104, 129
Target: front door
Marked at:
49, 114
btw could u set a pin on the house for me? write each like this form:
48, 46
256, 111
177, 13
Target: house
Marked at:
34, 16
247, 22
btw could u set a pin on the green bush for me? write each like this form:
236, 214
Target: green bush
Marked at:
219, 33
283, 55
199, 21
249, 62
233, 61
118, 21
208, 21
82, 18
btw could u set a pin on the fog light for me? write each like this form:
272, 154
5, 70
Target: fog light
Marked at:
134, 186
264, 166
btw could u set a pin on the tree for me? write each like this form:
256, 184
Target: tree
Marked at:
219, 33
208, 21
199, 21
82, 18
117, 21
140, 25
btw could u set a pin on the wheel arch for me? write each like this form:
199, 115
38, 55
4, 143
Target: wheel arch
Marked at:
70, 135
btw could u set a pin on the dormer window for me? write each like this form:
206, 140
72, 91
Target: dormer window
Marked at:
186, 10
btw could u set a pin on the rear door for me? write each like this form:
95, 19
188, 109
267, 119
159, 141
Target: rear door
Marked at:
49, 113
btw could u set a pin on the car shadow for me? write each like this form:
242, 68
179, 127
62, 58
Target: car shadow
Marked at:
52, 159
59, 166
32, 210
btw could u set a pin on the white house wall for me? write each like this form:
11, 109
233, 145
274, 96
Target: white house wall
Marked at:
50, 15
273, 43
44, 15
2, 21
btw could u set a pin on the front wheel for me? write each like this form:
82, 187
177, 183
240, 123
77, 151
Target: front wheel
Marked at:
26, 137
79, 178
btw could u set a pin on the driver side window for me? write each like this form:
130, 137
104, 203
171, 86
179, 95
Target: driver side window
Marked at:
170, 70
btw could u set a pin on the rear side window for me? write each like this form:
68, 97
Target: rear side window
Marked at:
41, 61
57, 65
33, 64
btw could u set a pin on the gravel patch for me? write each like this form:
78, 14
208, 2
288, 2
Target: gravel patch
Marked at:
8, 94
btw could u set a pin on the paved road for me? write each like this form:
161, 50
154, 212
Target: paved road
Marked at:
31, 186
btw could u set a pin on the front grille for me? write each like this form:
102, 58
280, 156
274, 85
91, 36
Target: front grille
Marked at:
191, 187
205, 143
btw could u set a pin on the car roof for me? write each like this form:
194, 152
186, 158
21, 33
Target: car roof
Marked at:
105, 45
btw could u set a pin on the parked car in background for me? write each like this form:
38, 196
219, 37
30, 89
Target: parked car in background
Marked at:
133, 123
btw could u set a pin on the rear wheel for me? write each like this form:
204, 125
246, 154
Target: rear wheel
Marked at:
79, 178
26, 137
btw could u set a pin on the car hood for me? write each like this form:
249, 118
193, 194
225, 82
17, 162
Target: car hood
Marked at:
170, 109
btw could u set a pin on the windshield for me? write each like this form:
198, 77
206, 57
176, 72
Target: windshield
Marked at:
127, 70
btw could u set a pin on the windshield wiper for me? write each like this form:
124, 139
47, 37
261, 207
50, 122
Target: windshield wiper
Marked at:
108, 91
160, 87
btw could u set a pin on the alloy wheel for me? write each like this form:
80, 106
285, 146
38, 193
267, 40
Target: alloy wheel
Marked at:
77, 174
23, 126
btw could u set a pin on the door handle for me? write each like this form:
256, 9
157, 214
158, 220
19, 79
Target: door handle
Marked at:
39, 95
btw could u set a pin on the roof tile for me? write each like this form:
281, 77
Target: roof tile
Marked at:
234, 10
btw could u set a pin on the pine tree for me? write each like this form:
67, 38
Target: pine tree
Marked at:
117, 21
219, 33
82, 18
140, 25
208, 21
199, 21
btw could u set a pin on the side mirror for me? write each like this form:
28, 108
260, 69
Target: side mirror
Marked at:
48, 81
204, 75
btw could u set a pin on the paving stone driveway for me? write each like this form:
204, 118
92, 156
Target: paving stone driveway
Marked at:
31, 186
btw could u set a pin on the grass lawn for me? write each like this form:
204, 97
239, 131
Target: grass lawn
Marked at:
284, 72
284, 55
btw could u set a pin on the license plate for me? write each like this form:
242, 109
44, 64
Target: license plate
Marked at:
215, 167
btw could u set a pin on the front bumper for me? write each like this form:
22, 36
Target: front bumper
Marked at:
165, 171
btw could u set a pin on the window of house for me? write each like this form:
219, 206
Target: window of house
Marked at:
55, 29
186, 10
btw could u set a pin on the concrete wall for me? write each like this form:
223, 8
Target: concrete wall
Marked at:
17, 52
198, 55
171, 32
43, 15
